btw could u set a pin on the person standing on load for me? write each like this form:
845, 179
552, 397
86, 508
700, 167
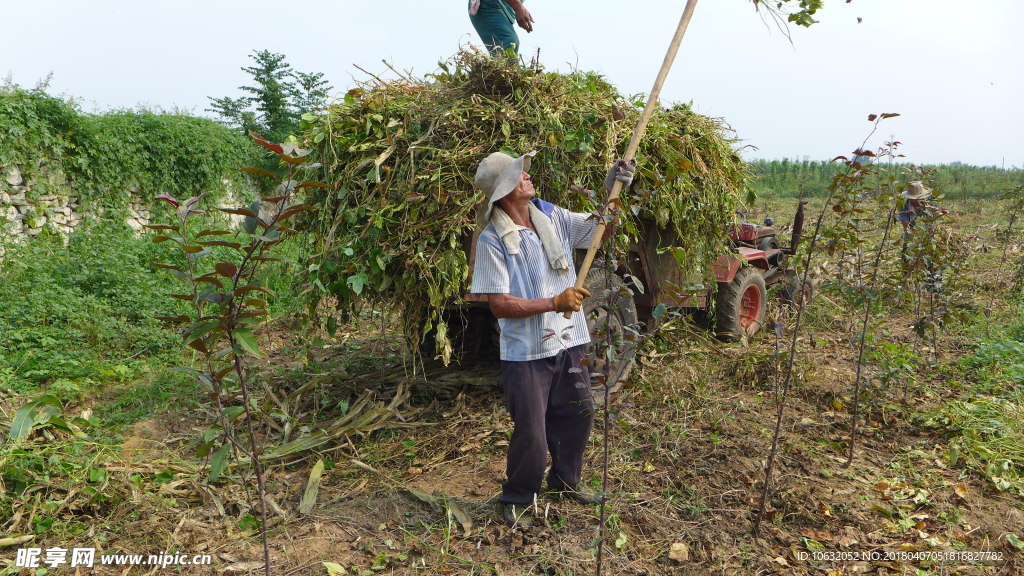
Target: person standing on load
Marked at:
493, 21
524, 264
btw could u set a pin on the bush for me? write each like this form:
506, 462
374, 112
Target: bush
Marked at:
73, 315
105, 156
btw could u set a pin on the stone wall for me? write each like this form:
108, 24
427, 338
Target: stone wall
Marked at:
24, 214
24, 211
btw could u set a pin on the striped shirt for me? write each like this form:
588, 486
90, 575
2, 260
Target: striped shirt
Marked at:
529, 275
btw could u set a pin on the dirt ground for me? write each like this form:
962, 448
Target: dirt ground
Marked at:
688, 439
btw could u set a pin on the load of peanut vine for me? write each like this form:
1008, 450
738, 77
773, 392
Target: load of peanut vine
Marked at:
395, 226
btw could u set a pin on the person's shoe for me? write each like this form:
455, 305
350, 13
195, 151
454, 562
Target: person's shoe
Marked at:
515, 516
585, 498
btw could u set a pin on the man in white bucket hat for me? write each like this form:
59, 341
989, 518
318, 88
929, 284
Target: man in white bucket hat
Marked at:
525, 267
914, 205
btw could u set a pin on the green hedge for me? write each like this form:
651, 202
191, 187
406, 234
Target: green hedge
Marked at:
105, 155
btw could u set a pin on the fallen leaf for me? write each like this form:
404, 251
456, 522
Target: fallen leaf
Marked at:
446, 505
15, 540
679, 552
821, 535
246, 566
312, 488
335, 569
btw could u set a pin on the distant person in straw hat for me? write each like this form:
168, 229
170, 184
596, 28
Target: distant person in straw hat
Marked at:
494, 19
914, 206
524, 264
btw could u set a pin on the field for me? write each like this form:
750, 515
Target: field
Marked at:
111, 449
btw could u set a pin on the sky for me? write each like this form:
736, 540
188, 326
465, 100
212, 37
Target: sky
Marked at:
951, 69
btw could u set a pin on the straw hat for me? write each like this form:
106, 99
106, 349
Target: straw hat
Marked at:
916, 191
498, 175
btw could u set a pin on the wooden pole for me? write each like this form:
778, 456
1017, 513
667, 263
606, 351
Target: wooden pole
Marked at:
638, 134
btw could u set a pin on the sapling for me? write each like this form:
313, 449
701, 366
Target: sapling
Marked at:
853, 166
227, 297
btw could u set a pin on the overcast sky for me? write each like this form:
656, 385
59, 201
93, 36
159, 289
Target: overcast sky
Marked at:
952, 69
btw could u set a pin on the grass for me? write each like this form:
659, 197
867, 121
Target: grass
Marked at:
147, 397
985, 428
77, 330
80, 315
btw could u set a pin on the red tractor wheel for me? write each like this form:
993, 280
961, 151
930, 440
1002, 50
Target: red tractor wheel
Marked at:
740, 305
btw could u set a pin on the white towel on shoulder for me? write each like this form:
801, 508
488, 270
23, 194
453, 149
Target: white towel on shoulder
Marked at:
508, 231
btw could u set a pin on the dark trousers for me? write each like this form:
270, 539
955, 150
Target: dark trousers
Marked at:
553, 412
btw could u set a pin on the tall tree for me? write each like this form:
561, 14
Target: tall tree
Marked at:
276, 100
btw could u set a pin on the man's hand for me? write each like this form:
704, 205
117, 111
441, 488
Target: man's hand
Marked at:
523, 16
570, 300
621, 171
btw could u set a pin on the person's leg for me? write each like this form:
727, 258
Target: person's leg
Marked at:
527, 386
494, 27
570, 418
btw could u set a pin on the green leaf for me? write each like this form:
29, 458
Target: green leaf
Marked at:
198, 330
219, 462
249, 523
813, 545
357, 281
39, 411
164, 477
246, 340
271, 236
249, 224
232, 412
97, 475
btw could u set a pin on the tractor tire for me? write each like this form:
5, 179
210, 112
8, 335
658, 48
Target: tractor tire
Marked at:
610, 312
740, 306
769, 243
794, 291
